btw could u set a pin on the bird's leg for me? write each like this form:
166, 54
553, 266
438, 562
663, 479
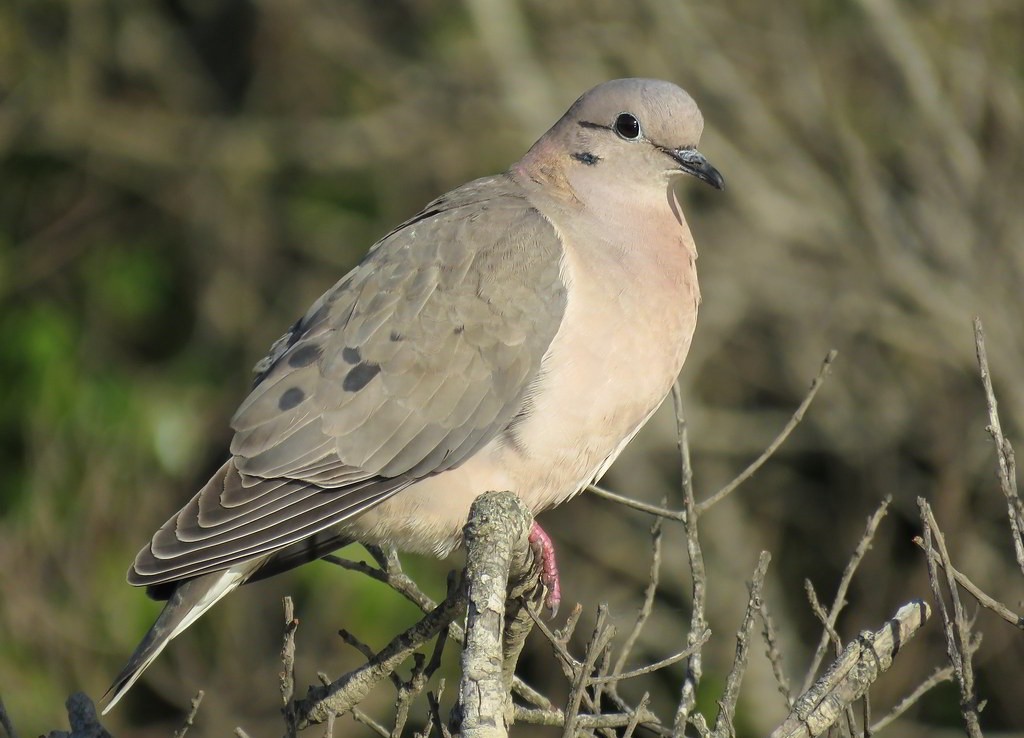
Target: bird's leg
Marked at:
544, 552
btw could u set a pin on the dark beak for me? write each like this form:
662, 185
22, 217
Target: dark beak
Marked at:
693, 162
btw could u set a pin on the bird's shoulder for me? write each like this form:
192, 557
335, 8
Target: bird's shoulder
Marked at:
442, 327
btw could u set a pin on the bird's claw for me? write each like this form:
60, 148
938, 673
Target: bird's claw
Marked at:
544, 553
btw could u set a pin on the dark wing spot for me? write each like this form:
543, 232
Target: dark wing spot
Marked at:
304, 356
291, 397
586, 157
360, 376
459, 329
423, 216
396, 336
350, 355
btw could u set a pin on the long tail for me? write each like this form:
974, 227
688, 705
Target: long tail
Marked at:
190, 600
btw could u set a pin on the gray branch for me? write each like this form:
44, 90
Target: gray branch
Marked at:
500, 579
82, 718
849, 677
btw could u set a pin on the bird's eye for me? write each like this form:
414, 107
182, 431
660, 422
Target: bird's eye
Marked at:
627, 126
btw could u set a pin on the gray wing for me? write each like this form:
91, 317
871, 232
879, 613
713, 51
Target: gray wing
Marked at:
405, 368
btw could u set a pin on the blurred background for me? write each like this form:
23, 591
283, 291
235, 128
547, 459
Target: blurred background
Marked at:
180, 179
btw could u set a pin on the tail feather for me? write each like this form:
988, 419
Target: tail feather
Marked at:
190, 600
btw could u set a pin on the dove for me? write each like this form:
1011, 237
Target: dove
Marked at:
514, 335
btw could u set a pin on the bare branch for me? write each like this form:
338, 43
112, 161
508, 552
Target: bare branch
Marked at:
5, 721
849, 677
361, 717
794, 421
640, 709
82, 718
844, 584
1004, 451
599, 641
661, 512
287, 676
698, 622
556, 719
937, 677
822, 616
770, 634
191, 717
347, 691
531, 695
976, 592
558, 640
497, 550
731, 695
960, 644
657, 665
397, 580
648, 603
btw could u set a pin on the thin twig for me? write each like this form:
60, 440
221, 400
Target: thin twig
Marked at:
960, 644
731, 694
531, 695
794, 421
5, 721
398, 581
361, 717
408, 691
635, 720
599, 641
771, 641
657, 665
863, 660
660, 511
939, 676
570, 665
844, 583
648, 603
559, 640
698, 623
287, 676
822, 616
349, 689
1004, 451
189, 719
556, 719
392, 574
977, 593
434, 705
364, 648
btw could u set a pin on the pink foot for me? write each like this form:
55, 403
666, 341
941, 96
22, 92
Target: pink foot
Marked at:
544, 550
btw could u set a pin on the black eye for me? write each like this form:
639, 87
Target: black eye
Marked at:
627, 126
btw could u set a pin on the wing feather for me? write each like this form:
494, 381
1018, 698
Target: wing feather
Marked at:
420, 356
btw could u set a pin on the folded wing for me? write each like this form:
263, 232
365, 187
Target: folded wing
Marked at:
414, 361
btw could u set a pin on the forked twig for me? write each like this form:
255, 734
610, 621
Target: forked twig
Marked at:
731, 694
698, 622
937, 677
983, 599
794, 421
193, 708
1004, 451
850, 675
960, 644
844, 583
